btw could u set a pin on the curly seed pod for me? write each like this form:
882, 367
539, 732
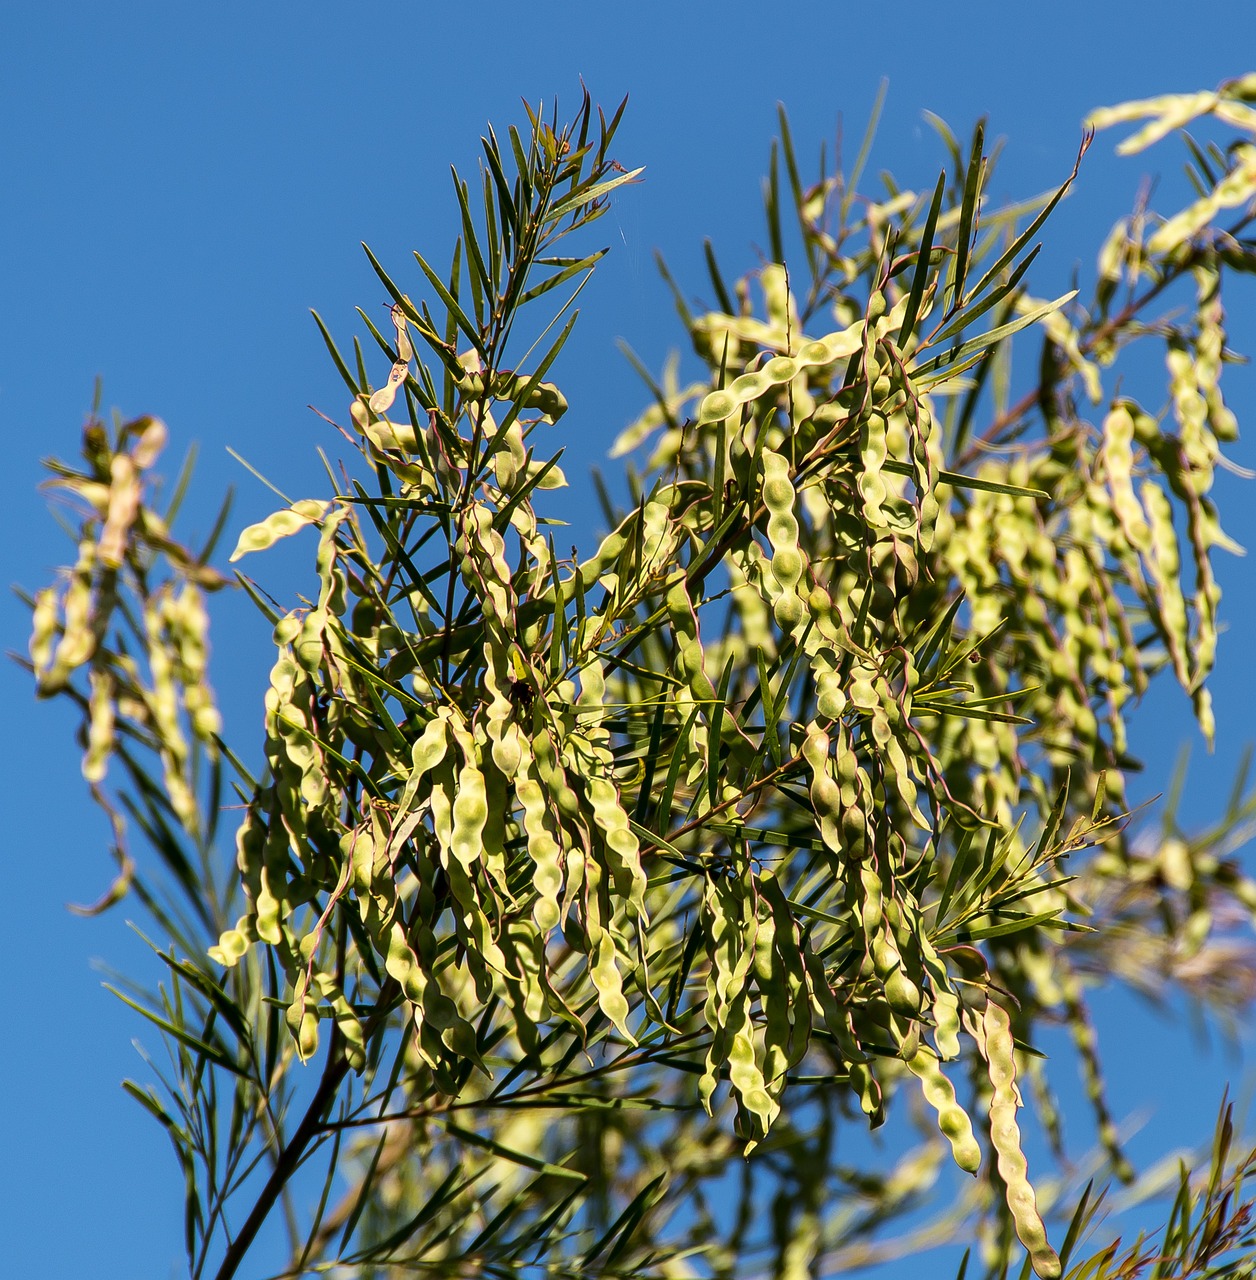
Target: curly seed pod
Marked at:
901, 993
782, 983
873, 452
545, 397
302, 1018
426, 752
946, 1019
1236, 188
1118, 436
730, 917
100, 729
124, 506
470, 813
543, 847
79, 635
233, 944
659, 539
405, 349
604, 961
150, 439
830, 696
187, 626
431, 1005
510, 457
623, 853
163, 705
745, 1073
524, 951
45, 624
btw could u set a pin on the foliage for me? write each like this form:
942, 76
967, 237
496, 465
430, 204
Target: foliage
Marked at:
581, 903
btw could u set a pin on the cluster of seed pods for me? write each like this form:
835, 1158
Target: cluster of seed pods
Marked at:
156, 683
512, 756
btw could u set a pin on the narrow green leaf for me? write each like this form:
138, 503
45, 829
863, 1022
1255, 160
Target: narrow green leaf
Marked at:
1007, 290
212, 1053
663, 810
587, 195
364, 1192
457, 314
336, 358
1051, 828
482, 285
968, 212
963, 865
512, 216
225, 1006
936, 636
949, 140
989, 338
452, 322
1013, 924
772, 206
1017, 247
515, 1157
921, 275
524, 165
722, 295
619, 1235
493, 240
443, 1195
561, 277
968, 711
645, 791
865, 149
716, 721
958, 481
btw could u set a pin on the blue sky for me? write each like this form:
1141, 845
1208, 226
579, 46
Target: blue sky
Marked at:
182, 182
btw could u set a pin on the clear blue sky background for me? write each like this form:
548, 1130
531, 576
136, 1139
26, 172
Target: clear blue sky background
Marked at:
179, 183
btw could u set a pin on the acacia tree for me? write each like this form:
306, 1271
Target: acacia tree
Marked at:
579, 903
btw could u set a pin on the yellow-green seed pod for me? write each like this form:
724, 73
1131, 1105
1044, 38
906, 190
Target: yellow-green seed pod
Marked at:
381, 400
543, 848
45, 623
151, 441
124, 506
953, 1120
1005, 1135
826, 795
100, 730
347, 1022
717, 405
257, 537
470, 813
78, 637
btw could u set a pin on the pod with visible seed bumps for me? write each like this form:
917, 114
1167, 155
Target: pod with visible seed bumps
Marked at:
953, 1120
1005, 1135
717, 405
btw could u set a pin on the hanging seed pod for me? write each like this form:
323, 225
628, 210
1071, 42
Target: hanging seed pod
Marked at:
1005, 1134
953, 1120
